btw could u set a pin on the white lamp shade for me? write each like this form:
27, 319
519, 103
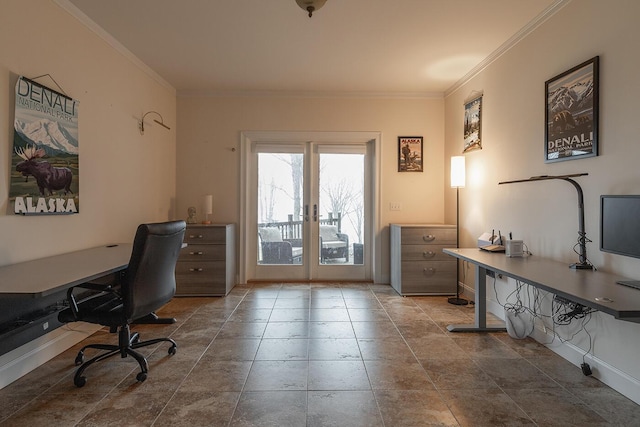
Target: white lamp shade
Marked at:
208, 204
457, 172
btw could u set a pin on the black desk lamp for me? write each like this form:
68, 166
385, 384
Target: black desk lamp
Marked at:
457, 181
583, 263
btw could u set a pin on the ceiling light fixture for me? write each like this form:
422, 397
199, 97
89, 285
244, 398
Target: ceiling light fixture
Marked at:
310, 5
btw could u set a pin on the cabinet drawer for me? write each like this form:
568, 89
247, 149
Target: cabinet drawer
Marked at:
200, 272
424, 253
200, 289
203, 253
200, 235
437, 277
428, 236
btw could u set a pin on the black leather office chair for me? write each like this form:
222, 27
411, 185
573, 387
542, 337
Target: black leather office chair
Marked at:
147, 284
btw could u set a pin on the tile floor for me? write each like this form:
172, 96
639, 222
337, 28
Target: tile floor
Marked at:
319, 355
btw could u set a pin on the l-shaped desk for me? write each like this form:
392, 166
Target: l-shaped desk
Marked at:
590, 288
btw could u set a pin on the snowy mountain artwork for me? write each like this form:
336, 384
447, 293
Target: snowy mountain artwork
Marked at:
45, 166
571, 119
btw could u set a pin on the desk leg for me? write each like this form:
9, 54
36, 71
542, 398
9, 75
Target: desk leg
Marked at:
480, 324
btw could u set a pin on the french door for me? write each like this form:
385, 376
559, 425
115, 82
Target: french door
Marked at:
309, 210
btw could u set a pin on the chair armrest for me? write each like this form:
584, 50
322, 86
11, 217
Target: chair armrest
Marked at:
277, 252
296, 243
98, 287
343, 237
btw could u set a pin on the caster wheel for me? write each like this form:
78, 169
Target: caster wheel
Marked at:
80, 381
141, 376
172, 350
79, 359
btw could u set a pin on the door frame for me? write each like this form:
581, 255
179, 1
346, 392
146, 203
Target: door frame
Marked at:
247, 138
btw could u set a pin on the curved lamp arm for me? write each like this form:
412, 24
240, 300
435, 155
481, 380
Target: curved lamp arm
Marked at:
161, 122
583, 263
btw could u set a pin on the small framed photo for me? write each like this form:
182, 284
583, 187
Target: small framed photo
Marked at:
473, 125
571, 113
409, 154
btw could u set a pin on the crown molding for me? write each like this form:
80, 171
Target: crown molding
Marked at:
72, 10
551, 10
306, 94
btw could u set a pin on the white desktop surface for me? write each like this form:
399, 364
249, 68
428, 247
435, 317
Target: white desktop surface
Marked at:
45, 276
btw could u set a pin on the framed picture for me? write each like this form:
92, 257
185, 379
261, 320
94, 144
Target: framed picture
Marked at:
571, 113
473, 125
409, 154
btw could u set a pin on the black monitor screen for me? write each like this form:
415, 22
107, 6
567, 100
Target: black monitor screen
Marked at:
620, 225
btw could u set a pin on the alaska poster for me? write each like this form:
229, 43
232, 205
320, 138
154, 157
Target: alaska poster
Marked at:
473, 125
44, 166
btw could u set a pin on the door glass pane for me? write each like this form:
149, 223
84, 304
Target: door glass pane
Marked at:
341, 209
280, 216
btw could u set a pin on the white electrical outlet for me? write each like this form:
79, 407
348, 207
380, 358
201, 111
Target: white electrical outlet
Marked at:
45, 325
395, 206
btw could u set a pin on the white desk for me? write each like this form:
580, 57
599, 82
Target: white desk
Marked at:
46, 276
590, 288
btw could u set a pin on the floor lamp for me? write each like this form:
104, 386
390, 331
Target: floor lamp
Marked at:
457, 181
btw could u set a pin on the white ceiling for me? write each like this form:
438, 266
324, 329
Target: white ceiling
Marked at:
401, 47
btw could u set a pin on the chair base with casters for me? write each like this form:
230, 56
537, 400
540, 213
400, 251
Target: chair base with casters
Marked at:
147, 284
127, 343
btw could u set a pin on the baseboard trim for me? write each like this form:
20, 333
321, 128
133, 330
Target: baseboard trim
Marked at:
24, 359
603, 371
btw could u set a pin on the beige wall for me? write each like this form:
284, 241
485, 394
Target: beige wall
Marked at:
545, 214
209, 128
125, 178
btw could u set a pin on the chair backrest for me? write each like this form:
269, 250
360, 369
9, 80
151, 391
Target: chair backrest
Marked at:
270, 234
150, 281
329, 232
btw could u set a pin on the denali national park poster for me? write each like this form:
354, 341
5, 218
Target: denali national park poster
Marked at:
44, 165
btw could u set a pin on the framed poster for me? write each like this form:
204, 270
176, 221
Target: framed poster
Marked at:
44, 161
571, 113
409, 154
473, 125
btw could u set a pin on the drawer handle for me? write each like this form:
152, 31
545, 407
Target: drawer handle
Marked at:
429, 270
428, 254
195, 270
193, 236
429, 238
196, 253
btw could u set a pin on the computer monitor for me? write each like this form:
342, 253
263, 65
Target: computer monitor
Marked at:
620, 227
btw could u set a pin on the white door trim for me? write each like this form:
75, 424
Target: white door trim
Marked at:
247, 138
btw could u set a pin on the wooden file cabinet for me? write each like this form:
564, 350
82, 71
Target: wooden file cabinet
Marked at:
418, 265
206, 266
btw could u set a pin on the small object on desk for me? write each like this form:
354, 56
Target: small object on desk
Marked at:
635, 284
493, 248
514, 248
486, 239
191, 212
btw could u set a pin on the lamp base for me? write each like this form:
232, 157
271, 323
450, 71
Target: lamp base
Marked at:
457, 301
206, 222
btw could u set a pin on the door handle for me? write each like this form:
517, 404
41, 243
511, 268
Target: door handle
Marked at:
306, 213
315, 213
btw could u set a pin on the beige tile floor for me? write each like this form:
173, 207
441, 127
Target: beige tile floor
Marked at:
319, 355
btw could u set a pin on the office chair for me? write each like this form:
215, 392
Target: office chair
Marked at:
147, 284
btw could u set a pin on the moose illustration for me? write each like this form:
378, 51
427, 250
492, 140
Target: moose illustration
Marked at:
48, 177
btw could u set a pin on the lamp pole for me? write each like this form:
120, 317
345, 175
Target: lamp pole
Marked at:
457, 181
